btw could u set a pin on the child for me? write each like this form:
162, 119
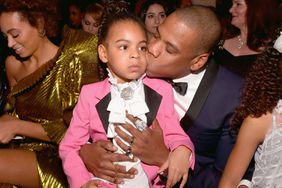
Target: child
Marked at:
103, 105
260, 133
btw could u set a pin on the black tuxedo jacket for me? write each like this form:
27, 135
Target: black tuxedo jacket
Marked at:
207, 122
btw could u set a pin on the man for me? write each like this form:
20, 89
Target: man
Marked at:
180, 51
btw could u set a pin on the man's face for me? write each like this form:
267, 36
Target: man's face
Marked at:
170, 52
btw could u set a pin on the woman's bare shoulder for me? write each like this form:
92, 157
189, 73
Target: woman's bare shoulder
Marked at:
13, 68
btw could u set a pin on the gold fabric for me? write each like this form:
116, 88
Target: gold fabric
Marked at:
50, 93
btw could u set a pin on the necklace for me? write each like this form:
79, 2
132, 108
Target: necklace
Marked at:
241, 42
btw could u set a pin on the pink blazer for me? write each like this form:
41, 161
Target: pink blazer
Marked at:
90, 119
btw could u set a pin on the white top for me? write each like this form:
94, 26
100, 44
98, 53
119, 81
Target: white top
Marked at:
268, 157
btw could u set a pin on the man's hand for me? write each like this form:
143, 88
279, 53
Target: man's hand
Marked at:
148, 145
99, 159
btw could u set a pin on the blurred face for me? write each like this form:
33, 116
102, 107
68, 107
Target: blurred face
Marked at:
89, 24
75, 15
170, 52
238, 12
21, 36
124, 51
155, 15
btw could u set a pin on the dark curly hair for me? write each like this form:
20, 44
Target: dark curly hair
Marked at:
34, 11
263, 88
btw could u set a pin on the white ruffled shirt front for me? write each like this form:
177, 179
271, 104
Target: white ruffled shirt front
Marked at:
127, 97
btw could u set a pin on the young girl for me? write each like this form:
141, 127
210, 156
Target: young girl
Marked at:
260, 133
104, 105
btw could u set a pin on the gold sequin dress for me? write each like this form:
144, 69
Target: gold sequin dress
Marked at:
49, 94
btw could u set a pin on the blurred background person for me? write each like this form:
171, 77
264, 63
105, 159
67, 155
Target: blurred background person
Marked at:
153, 13
92, 18
254, 31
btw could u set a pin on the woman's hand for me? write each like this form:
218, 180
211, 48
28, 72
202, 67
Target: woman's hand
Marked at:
8, 128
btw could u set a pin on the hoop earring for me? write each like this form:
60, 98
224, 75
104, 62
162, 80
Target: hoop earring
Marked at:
42, 33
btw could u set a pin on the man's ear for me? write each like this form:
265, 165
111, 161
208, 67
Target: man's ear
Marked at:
199, 61
102, 53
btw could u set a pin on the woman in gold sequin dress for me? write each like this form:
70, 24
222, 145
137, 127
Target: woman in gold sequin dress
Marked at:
45, 81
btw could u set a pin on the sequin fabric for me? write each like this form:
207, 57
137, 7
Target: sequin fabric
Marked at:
49, 94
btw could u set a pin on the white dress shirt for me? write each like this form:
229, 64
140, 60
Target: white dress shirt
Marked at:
182, 103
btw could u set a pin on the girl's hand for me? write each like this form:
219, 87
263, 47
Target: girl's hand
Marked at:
7, 128
178, 166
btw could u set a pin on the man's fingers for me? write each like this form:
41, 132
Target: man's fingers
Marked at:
117, 157
123, 135
107, 145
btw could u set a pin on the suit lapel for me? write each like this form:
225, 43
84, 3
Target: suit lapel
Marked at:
102, 110
153, 101
200, 95
152, 98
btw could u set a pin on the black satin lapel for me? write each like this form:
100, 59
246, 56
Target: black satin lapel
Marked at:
102, 110
153, 101
201, 95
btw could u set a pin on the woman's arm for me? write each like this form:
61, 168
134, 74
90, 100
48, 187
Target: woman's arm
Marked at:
251, 134
11, 126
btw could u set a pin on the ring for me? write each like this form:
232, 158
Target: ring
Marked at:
140, 125
128, 151
131, 142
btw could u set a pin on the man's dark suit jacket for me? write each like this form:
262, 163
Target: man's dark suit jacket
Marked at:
207, 122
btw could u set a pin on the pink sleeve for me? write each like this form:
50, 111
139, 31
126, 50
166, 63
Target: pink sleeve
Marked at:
76, 136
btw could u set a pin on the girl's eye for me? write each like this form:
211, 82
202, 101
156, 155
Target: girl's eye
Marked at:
163, 16
150, 16
143, 48
123, 47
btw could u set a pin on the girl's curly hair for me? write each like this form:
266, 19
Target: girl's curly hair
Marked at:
34, 11
263, 87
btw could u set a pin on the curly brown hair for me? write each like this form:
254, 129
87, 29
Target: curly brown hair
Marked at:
35, 11
263, 87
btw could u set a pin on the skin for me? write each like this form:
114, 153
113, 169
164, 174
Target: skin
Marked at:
238, 11
155, 16
89, 24
166, 50
242, 153
124, 51
27, 43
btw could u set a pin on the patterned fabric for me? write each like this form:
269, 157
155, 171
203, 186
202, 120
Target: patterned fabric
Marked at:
268, 157
49, 94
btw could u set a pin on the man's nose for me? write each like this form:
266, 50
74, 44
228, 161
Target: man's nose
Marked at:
154, 47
